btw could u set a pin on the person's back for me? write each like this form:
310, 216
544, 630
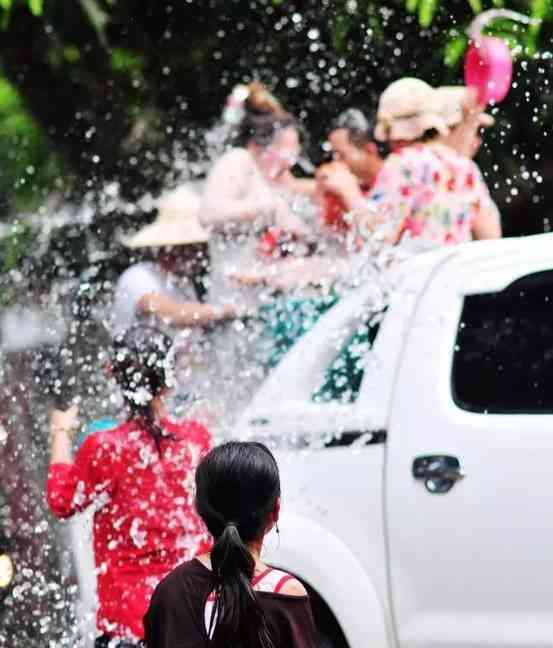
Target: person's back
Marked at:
426, 193
139, 478
229, 597
431, 193
144, 523
185, 595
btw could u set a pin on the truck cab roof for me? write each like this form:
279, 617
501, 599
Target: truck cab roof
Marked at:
287, 398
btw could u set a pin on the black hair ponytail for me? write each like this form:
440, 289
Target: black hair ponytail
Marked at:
140, 366
237, 487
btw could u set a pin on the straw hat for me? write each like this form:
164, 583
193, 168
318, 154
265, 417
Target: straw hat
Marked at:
177, 222
454, 100
407, 109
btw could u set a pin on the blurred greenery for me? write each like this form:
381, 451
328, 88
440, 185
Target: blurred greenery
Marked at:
14, 247
28, 167
95, 91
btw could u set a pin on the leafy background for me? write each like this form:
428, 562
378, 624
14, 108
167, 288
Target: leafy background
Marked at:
93, 91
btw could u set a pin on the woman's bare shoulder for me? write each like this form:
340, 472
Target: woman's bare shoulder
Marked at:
237, 155
293, 587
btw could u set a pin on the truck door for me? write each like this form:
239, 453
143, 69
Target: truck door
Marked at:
469, 473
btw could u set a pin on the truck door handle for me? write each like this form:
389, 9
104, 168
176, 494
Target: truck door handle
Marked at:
439, 472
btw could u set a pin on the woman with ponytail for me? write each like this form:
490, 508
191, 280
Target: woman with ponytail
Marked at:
138, 477
228, 598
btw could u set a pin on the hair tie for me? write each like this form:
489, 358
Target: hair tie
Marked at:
235, 109
231, 523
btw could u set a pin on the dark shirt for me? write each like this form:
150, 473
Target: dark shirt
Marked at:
176, 615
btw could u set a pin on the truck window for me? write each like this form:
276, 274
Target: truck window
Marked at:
503, 358
342, 379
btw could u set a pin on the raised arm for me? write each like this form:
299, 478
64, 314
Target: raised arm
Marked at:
304, 186
487, 223
74, 484
292, 274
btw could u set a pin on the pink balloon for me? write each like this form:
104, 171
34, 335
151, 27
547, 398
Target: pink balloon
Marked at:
489, 69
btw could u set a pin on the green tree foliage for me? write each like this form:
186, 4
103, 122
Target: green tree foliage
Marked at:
109, 86
34, 6
27, 167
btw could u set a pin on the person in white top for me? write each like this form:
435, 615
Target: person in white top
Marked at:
246, 183
162, 291
250, 188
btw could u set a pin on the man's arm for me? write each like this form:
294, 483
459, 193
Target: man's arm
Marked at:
291, 274
182, 314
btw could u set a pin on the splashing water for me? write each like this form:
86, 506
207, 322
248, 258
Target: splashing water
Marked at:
54, 328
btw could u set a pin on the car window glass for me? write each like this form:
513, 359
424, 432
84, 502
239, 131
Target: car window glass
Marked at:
343, 377
503, 358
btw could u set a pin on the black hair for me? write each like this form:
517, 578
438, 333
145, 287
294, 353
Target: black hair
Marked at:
428, 135
237, 487
262, 128
357, 125
263, 117
139, 363
360, 129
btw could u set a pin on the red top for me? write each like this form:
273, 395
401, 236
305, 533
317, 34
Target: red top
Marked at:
333, 211
145, 521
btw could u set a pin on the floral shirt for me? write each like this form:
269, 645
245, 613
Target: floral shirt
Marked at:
430, 193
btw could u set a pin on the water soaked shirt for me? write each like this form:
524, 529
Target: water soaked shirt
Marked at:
431, 193
145, 521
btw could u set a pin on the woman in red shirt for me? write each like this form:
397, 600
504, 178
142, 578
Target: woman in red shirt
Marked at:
139, 477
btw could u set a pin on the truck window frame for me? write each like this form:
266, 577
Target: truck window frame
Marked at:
508, 332
346, 393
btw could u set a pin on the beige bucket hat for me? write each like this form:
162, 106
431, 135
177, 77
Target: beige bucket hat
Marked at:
454, 101
177, 222
407, 109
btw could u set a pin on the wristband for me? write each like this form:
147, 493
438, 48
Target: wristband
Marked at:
60, 430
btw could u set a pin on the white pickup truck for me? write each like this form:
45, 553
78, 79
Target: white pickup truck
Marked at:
420, 513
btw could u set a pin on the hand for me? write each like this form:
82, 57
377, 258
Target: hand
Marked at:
288, 221
472, 109
247, 279
465, 138
263, 206
336, 178
226, 312
243, 311
64, 422
285, 179
300, 273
